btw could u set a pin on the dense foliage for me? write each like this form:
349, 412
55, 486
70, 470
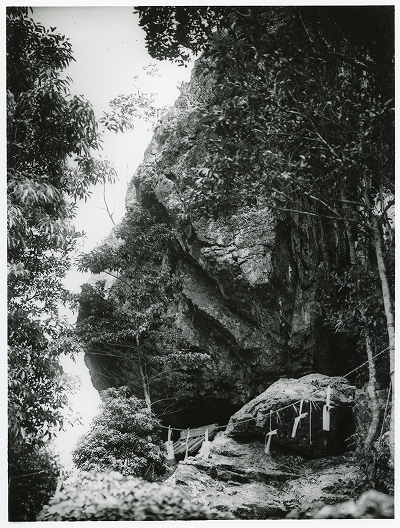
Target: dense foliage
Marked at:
113, 497
124, 322
301, 102
124, 437
33, 475
51, 135
288, 121
45, 126
175, 32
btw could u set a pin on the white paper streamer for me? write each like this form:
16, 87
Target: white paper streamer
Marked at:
326, 417
187, 446
297, 419
268, 437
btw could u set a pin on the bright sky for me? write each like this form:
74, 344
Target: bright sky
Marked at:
109, 50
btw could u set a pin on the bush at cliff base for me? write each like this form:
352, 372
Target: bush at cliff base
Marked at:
114, 497
124, 437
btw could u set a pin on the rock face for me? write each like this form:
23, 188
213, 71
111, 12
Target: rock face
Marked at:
240, 478
280, 405
250, 281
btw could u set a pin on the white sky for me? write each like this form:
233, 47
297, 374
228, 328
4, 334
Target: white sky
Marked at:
109, 50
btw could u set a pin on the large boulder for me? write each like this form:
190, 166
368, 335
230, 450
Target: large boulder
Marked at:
235, 478
278, 407
238, 477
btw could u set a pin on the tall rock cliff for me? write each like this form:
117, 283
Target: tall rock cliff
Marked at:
250, 281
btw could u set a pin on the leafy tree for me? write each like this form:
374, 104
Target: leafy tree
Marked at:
173, 32
44, 126
124, 438
51, 135
33, 478
126, 324
125, 109
113, 497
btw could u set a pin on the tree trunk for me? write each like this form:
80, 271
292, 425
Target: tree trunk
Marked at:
349, 234
388, 304
374, 425
145, 386
146, 391
387, 301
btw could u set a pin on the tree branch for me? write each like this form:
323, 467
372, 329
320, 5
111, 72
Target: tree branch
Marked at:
106, 204
319, 215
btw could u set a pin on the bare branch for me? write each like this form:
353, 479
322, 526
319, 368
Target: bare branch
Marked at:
110, 214
319, 215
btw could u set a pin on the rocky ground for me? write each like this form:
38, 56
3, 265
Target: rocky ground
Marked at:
240, 478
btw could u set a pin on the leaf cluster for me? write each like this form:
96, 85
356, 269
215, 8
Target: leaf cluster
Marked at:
124, 437
31, 46
288, 120
113, 497
32, 477
48, 130
356, 289
38, 390
126, 109
175, 32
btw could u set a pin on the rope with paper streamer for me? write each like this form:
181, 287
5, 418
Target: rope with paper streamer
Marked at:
204, 452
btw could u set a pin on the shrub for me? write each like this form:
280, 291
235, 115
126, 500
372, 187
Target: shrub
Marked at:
125, 437
32, 475
113, 497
